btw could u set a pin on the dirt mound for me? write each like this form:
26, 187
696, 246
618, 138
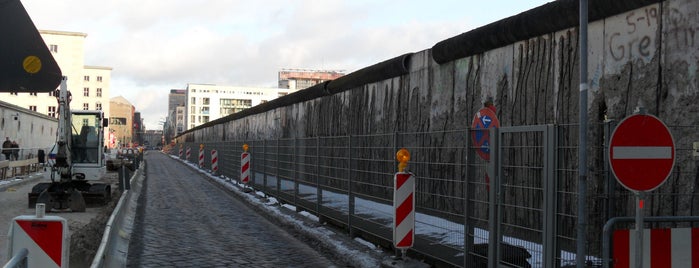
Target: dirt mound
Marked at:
85, 238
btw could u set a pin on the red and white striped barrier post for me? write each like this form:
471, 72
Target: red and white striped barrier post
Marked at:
180, 154
201, 155
676, 247
214, 161
188, 153
245, 165
403, 204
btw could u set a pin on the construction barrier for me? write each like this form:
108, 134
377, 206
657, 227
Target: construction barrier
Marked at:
403, 204
201, 156
46, 239
676, 247
245, 167
214, 161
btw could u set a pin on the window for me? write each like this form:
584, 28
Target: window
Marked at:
98, 106
99, 78
52, 111
32, 93
86, 106
99, 92
86, 92
86, 78
193, 101
53, 48
194, 110
32, 107
205, 101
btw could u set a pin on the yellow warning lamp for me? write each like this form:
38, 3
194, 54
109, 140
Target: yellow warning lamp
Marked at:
403, 156
245, 147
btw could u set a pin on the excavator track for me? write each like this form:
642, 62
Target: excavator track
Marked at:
74, 196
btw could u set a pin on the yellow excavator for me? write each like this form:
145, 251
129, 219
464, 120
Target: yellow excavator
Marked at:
26, 65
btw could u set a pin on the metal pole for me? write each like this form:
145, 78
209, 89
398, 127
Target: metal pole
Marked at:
319, 190
639, 231
350, 184
582, 148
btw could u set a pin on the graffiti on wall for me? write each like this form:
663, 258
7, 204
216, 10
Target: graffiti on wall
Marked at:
635, 37
682, 30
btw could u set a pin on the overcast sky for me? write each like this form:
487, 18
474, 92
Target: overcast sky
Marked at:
157, 45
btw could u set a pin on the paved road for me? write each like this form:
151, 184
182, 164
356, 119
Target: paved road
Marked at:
184, 220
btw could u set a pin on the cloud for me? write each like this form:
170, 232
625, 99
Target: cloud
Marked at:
154, 46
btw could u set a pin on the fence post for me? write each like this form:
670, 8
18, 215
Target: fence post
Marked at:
550, 200
468, 207
350, 192
319, 190
611, 181
494, 216
264, 167
279, 179
295, 164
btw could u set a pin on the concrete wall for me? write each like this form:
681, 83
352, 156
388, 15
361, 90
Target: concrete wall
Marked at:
31, 130
646, 56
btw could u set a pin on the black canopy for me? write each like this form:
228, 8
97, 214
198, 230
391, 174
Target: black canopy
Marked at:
26, 64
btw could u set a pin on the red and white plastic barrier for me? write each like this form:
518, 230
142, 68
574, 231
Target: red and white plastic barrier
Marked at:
404, 210
45, 237
245, 167
667, 248
201, 157
189, 153
180, 154
214, 161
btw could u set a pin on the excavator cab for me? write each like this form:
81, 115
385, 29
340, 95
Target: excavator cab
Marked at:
87, 133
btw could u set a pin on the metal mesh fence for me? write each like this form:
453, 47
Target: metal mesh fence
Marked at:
522, 191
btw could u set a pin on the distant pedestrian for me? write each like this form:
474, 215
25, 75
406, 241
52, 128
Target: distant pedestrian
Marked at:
15, 150
6, 148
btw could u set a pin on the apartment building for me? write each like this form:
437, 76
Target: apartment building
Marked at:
298, 79
207, 102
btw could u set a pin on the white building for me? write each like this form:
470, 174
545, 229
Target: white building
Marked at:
206, 102
88, 85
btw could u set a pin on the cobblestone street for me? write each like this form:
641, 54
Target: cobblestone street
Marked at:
184, 220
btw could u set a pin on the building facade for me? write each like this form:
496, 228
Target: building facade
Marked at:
298, 79
207, 102
174, 124
121, 123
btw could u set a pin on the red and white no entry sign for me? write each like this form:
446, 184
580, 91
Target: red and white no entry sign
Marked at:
641, 152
